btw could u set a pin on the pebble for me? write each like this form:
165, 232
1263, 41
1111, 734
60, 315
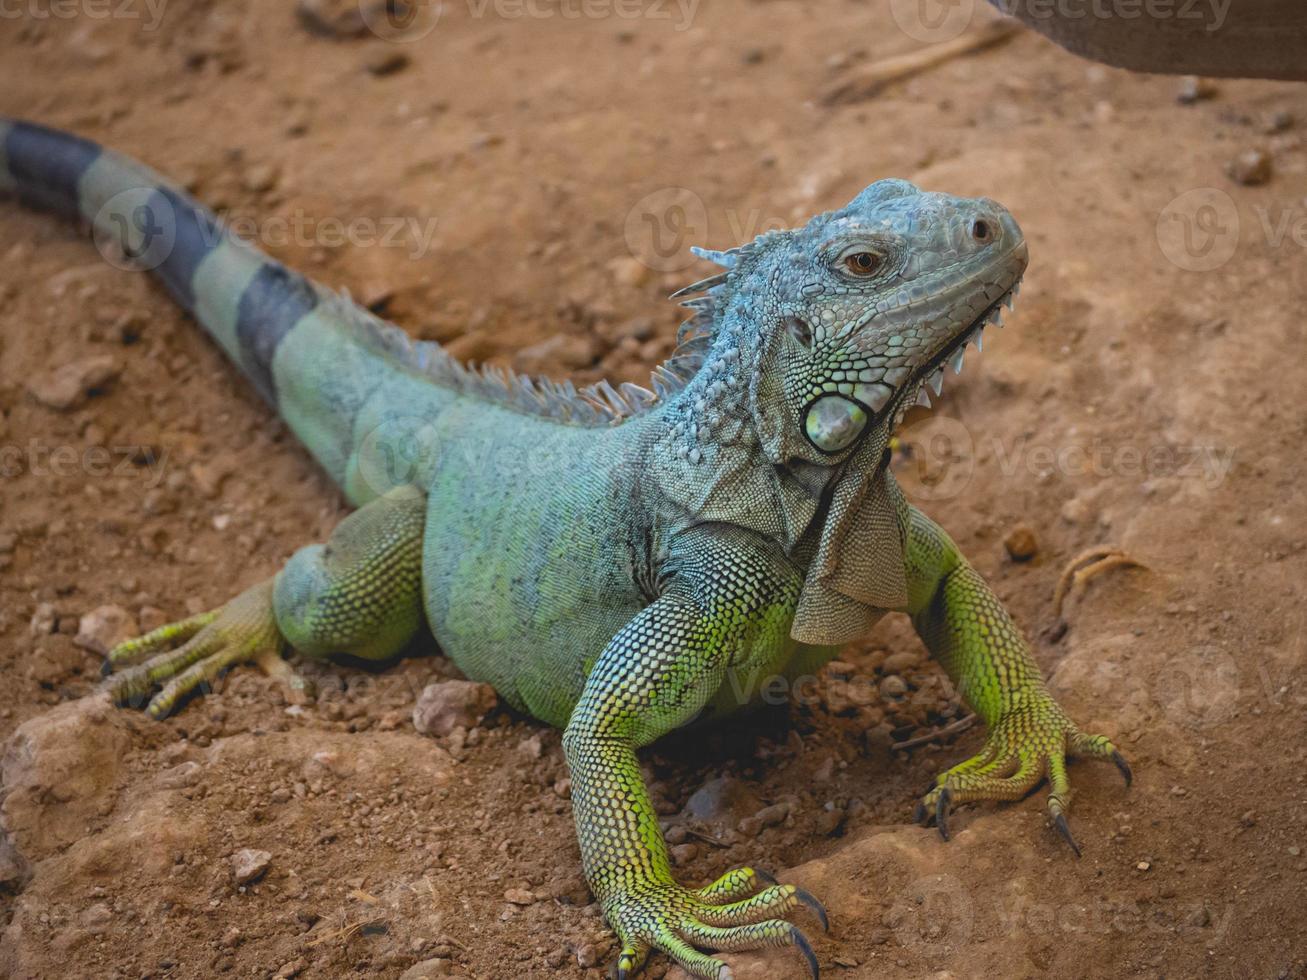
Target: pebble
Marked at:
292, 969
772, 815
720, 798
104, 627
1251, 168
70, 385
893, 686
683, 854
260, 177
629, 271
249, 865
1021, 543
332, 18
447, 705
386, 61
897, 663
44, 620
438, 967
1194, 88
519, 896
150, 618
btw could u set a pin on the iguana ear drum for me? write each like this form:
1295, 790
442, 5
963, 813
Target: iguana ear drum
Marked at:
833, 423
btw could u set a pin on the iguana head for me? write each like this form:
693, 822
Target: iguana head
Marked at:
855, 314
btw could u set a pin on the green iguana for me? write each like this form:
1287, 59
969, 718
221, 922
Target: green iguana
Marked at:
617, 562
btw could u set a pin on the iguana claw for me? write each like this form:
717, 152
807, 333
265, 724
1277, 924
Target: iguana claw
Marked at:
1119, 760
941, 811
1062, 828
1022, 749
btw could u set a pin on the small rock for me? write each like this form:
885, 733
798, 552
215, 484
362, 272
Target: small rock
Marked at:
893, 686
519, 896
69, 386
587, 955
447, 705
104, 627
44, 620
387, 60
829, 821
181, 775
292, 969
721, 798
683, 854
150, 618
260, 177
438, 967
338, 19
1143, 865
249, 865
95, 918
1199, 917
1251, 168
897, 663
1249, 818
770, 816
629, 271
1021, 543
1195, 89
1278, 121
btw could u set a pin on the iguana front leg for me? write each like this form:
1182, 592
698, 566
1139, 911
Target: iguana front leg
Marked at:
656, 674
360, 594
967, 629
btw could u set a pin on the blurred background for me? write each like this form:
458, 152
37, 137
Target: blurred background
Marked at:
521, 180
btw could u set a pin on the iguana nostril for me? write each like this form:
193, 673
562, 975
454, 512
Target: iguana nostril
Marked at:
982, 231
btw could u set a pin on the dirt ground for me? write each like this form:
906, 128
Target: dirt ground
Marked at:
522, 184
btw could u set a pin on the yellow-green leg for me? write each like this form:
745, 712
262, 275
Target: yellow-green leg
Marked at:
967, 629
656, 674
360, 593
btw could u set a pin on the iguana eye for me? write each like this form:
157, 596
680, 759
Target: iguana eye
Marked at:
833, 423
863, 263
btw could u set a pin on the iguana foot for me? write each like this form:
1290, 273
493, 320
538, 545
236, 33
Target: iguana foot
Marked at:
1024, 747
680, 921
211, 643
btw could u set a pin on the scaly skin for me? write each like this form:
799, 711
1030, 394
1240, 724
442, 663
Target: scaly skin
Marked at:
616, 563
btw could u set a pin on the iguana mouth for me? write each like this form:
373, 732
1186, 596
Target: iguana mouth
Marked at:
931, 375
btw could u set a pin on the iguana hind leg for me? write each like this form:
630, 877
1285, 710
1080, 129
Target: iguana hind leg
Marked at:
359, 594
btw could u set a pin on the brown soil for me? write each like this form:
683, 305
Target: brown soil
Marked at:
1132, 401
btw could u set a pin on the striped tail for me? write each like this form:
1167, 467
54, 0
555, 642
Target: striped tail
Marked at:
332, 371
244, 299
